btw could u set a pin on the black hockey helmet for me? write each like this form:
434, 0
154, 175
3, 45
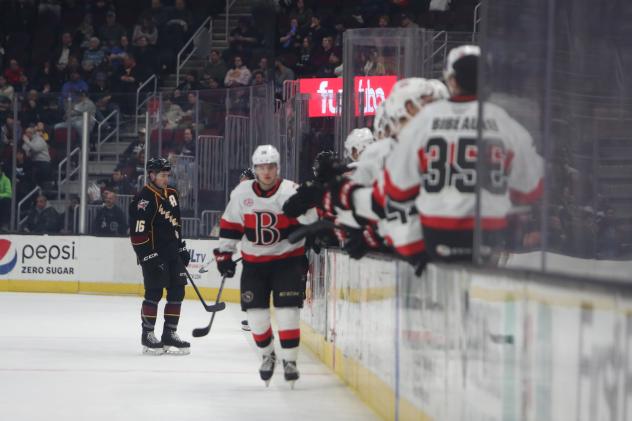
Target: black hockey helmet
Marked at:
158, 164
247, 174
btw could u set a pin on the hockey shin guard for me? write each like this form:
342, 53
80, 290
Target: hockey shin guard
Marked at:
259, 321
289, 331
172, 314
148, 313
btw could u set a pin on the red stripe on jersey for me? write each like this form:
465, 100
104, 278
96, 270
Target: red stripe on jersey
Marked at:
521, 198
234, 226
139, 239
423, 161
444, 223
378, 195
251, 258
412, 248
285, 335
264, 336
397, 194
250, 221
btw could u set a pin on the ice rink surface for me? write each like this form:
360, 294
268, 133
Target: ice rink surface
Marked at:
78, 357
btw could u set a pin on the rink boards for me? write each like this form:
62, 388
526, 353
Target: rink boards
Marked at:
455, 344
74, 264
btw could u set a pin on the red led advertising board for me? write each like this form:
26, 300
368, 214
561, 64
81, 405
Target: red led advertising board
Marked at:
323, 100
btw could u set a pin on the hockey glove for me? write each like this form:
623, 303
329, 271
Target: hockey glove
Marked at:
184, 254
361, 241
339, 195
154, 262
327, 166
308, 195
225, 264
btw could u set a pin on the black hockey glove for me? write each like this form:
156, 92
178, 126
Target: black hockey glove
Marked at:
339, 194
308, 195
184, 254
361, 241
154, 262
327, 166
225, 264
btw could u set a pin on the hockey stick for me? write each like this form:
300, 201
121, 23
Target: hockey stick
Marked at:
203, 331
212, 308
305, 230
206, 265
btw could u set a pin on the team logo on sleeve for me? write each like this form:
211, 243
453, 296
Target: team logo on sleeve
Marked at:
266, 231
142, 204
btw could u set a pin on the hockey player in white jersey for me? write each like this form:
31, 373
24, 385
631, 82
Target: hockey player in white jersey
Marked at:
434, 167
271, 265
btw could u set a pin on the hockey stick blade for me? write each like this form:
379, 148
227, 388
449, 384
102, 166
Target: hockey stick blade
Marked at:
211, 308
305, 230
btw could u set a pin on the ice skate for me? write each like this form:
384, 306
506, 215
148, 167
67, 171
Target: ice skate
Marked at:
245, 326
267, 367
151, 344
173, 345
290, 372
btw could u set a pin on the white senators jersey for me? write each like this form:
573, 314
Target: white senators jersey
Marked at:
255, 217
371, 162
435, 165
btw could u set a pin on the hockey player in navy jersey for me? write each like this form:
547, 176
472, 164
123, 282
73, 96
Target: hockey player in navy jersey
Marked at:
156, 235
272, 266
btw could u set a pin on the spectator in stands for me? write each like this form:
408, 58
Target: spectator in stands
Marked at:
407, 22
135, 147
36, 150
320, 58
63, 52
6, 90
110, 219
127, 80
239, 75
177, 27
281, 74
23, 179
384, 21
171, 113
32, 109
99, 10
264, 67
68, 220
6, 192
189, 82
208, 82
329, 69
74, 113
188, 144
85, 31
374, 65
118, 183
148, 29
72, 88
290, 41
146, 58
302, 13
117, 53
190, 104
44, 79
14, 74
93, 56
258, 78
243, 39
304, 64
43, 218
7, 130
100, 85
216, 67
156, 13
316, 32
339, 35
111, 31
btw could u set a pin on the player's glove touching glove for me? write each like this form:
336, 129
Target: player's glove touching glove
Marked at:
361, 241
153, 262
225, 264
184, 254
339, 194
308, 195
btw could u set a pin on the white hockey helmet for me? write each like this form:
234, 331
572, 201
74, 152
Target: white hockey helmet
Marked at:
457, 53
266, 154
411, 90
439, 90
358, 140
380, 122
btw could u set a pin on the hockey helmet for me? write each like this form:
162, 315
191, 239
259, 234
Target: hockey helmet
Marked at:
380, 122
158, 164
457, 54
439, 90
266, 154
358, 140
409, 90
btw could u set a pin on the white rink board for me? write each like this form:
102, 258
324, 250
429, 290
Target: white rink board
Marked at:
77, 259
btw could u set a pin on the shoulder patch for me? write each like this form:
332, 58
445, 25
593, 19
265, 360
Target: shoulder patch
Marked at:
142, 204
